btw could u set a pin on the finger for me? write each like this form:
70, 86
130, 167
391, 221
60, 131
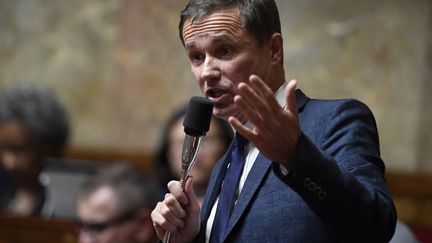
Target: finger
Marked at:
189, 189
258, 95
157, 219
242, 129
193, 203
161, 222
268, 106
177, 191
251, 95
251, 113
291, 103
160, 232
250, 103
264, 90
172, 208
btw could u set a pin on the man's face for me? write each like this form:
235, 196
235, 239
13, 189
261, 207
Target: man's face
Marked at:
100, 224
223, 54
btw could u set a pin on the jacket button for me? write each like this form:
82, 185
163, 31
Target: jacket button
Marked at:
322, 195
312, 186
317, 190
307, 181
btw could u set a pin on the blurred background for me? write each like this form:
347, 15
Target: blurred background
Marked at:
120, 69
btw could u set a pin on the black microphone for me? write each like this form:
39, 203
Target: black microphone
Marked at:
198, 116
196, 124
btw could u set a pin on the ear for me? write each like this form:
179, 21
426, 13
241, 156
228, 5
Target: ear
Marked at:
145, 231
276, 43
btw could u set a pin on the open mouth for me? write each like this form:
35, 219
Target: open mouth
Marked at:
216, 95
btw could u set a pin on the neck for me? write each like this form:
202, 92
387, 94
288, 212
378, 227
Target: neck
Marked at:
276, 79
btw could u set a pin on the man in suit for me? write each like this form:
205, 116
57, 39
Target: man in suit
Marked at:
312, 170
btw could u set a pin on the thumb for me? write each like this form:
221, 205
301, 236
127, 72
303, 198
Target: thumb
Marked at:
189, 191
291, 104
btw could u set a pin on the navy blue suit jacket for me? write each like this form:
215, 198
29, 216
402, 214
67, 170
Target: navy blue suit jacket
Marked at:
336, 191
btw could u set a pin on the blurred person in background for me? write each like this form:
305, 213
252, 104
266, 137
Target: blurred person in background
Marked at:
114, 206
34, 125
168, 158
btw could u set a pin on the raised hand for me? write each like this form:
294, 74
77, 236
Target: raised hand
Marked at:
276, 130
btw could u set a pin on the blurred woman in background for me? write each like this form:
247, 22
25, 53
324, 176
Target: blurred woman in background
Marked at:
33, 126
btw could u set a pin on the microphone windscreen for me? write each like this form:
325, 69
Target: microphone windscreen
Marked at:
198, 116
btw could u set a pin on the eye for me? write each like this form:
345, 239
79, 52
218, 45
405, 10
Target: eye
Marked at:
225, 50
196, 57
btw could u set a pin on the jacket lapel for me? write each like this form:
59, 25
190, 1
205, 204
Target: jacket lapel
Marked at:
301, 100
252, 183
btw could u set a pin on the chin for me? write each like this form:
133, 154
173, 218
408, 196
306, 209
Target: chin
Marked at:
225, 113
219, 114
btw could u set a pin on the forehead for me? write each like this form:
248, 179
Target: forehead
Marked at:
225, 22
13, 133
98, 206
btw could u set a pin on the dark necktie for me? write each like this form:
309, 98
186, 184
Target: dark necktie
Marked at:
229, 189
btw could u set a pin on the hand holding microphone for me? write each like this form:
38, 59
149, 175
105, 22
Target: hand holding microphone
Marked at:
196, 124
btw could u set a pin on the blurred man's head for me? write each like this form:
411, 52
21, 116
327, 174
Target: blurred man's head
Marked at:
115, 206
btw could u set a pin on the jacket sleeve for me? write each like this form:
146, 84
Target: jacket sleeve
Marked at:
340, 175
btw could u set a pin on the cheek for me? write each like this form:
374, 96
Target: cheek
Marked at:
196, 73
239, 69
16, 163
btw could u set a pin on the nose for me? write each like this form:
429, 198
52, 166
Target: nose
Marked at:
210, 69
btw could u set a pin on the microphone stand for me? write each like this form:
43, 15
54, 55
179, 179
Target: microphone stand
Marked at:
190, 150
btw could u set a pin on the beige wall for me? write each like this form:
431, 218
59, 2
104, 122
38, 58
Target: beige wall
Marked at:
120, 68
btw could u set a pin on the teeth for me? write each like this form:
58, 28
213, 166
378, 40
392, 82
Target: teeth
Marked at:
217, 94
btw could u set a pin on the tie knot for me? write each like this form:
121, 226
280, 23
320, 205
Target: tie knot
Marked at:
240, 140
